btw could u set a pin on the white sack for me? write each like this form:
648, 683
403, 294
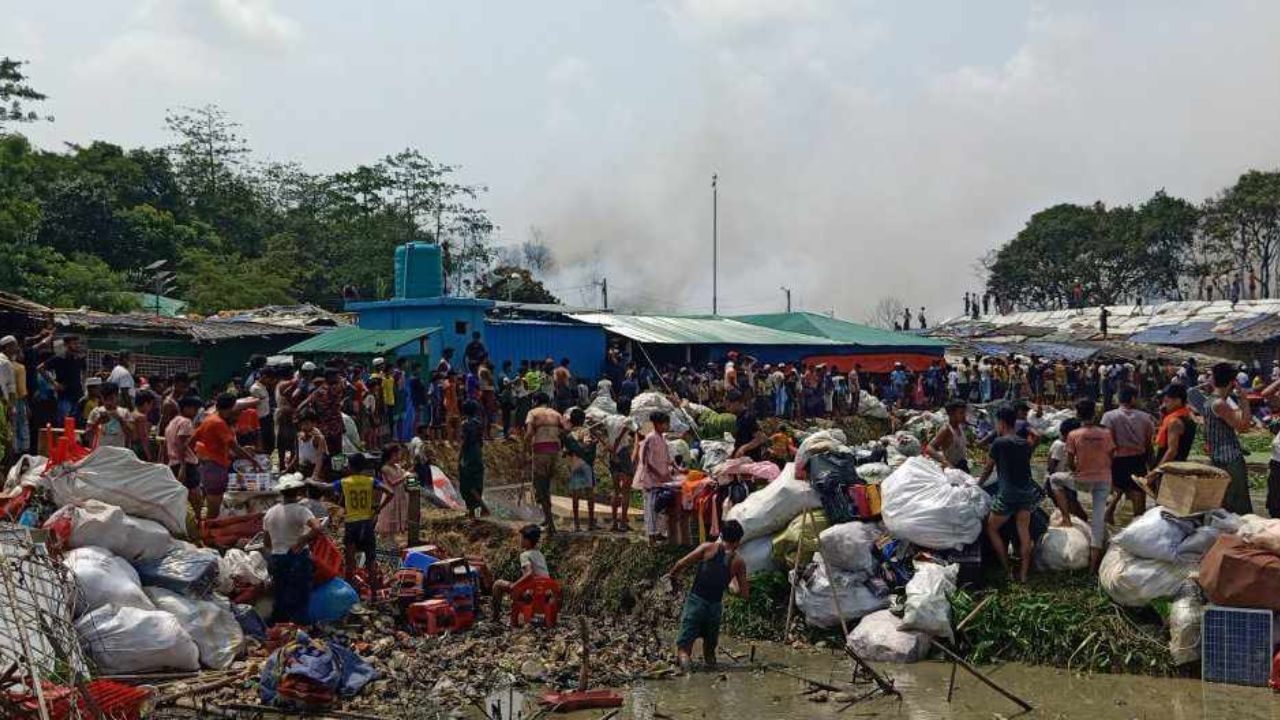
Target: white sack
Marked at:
920, 504
26, 471
1064, 548
603, 403
850, 546
94, 522
820, 442
874, 472
211, 626
813, 595
757, 554
128, 640
647, 403
715, 453
104, 579
903, 442
245, 568
117, 477
768, 510
1154, 536
1184, 628
927, 608
1137, 582
880, 637
870, 406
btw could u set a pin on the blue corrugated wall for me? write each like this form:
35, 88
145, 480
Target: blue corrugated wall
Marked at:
519, 340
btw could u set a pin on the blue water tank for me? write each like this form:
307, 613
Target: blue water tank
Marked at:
419, 270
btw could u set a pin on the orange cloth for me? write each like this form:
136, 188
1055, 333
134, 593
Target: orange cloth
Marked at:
248, 422
214, 440
1162, 435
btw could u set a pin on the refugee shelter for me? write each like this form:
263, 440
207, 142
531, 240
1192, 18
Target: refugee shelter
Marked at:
364, 344
874, 349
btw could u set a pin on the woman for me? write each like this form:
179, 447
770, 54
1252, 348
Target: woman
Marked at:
394, 518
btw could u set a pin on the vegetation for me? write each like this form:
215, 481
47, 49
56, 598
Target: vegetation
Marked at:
80, 226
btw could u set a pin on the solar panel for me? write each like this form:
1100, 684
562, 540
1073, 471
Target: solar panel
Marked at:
1236, 646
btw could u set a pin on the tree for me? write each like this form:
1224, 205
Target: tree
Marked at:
887, 311
211, 281
516, 284
14, 90
1242, 227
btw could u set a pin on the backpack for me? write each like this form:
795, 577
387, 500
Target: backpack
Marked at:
830, 474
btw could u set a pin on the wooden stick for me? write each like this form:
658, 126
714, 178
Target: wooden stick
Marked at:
204, 710
972, 613
835, 600
1026, 706
815, 683
584, 676
951, 686
203, 688
795, 572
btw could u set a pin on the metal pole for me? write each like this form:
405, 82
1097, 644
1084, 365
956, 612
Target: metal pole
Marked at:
715, 243
604, 291
787, 291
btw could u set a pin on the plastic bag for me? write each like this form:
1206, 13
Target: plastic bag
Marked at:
1155, 535
130, 640
211, 626
647, 403
758, 555
820, 442
715, 453
904, 442
1185, 616
874, 472
92, 522
238, 567
768, 510
603, 403
1064, 548
850, 546
331, 601
104, 579
927, 608
813, 595
927, 507
870, 406
1191, 551
185, 569
880, 637
444, 491
1136, 582
26, 471
786, 542
117, 477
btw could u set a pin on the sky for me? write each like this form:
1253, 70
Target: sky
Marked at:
865, 148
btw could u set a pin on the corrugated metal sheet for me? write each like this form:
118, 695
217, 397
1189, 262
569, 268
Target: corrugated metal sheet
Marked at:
519, 340
668, 330
841, 331
195, 330
1182, 334
358, 341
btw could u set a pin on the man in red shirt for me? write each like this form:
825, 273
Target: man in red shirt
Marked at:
215, 442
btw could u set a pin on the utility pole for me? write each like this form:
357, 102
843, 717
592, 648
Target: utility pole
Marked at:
715, 244
604, 292
787, 290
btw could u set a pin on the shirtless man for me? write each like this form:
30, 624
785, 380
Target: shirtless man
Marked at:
543, 429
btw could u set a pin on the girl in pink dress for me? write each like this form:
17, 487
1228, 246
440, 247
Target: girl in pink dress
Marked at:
394, 517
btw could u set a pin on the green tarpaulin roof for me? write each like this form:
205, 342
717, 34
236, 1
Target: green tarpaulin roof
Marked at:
841, 331
169, 307
351, 340
669, 330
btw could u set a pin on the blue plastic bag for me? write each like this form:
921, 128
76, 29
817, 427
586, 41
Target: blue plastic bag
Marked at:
331, 601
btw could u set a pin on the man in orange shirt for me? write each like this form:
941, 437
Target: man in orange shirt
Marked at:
215, 442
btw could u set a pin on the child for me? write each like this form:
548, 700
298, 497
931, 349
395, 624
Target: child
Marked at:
452, 407
110, 423
248, 424
653, 470
621, 468
1016, 492
395, 517
1058, 478
312, 448
720, 568
580, 446
143, 403
471, 461
361, 497
288, 529
532, 564
182, 458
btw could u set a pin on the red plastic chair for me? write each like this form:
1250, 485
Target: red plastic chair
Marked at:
537, 597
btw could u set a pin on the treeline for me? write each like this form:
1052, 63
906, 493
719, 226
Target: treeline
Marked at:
1167, 248
81, 227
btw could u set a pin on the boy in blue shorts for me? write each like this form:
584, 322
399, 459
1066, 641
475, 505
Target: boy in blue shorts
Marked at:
362, 497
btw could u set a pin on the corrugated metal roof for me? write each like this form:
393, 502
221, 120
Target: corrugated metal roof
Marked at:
196, 330
357, 341
841, 331
669, 330
1189, 333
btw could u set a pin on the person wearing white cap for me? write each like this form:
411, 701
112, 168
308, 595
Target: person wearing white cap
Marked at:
9, 386
288, 528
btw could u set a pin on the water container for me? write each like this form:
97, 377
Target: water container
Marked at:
419, 270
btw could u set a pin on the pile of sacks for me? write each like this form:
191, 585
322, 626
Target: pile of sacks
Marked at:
870, 406
647, 403
145, 598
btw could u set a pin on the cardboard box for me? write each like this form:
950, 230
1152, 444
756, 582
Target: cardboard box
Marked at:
1187, 488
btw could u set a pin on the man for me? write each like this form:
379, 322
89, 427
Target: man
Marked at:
1177, 433
1091, 461
1103, 314
475, 352
215, 443
170, 407
122, 376
445, 366
1133, 431
326, 402
720, 568
923, 325
1016, 493
9, 385
747, 435
263, 390
906, 318
544, 428
20, 413
562, 384
949, 446
288, 529
109, 423
1226, 414
68, 367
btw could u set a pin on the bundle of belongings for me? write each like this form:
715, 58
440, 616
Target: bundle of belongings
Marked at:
307, 673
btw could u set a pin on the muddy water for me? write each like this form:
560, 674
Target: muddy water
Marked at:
1054, 693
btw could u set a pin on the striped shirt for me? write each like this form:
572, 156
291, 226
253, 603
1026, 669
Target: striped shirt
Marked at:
1224, 444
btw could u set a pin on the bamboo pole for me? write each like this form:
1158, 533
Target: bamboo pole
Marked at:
1026, 706
795, 570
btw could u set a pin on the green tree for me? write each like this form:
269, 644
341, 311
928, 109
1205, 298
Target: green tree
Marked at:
1241, 229
212, 281
14, 92
516, 284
